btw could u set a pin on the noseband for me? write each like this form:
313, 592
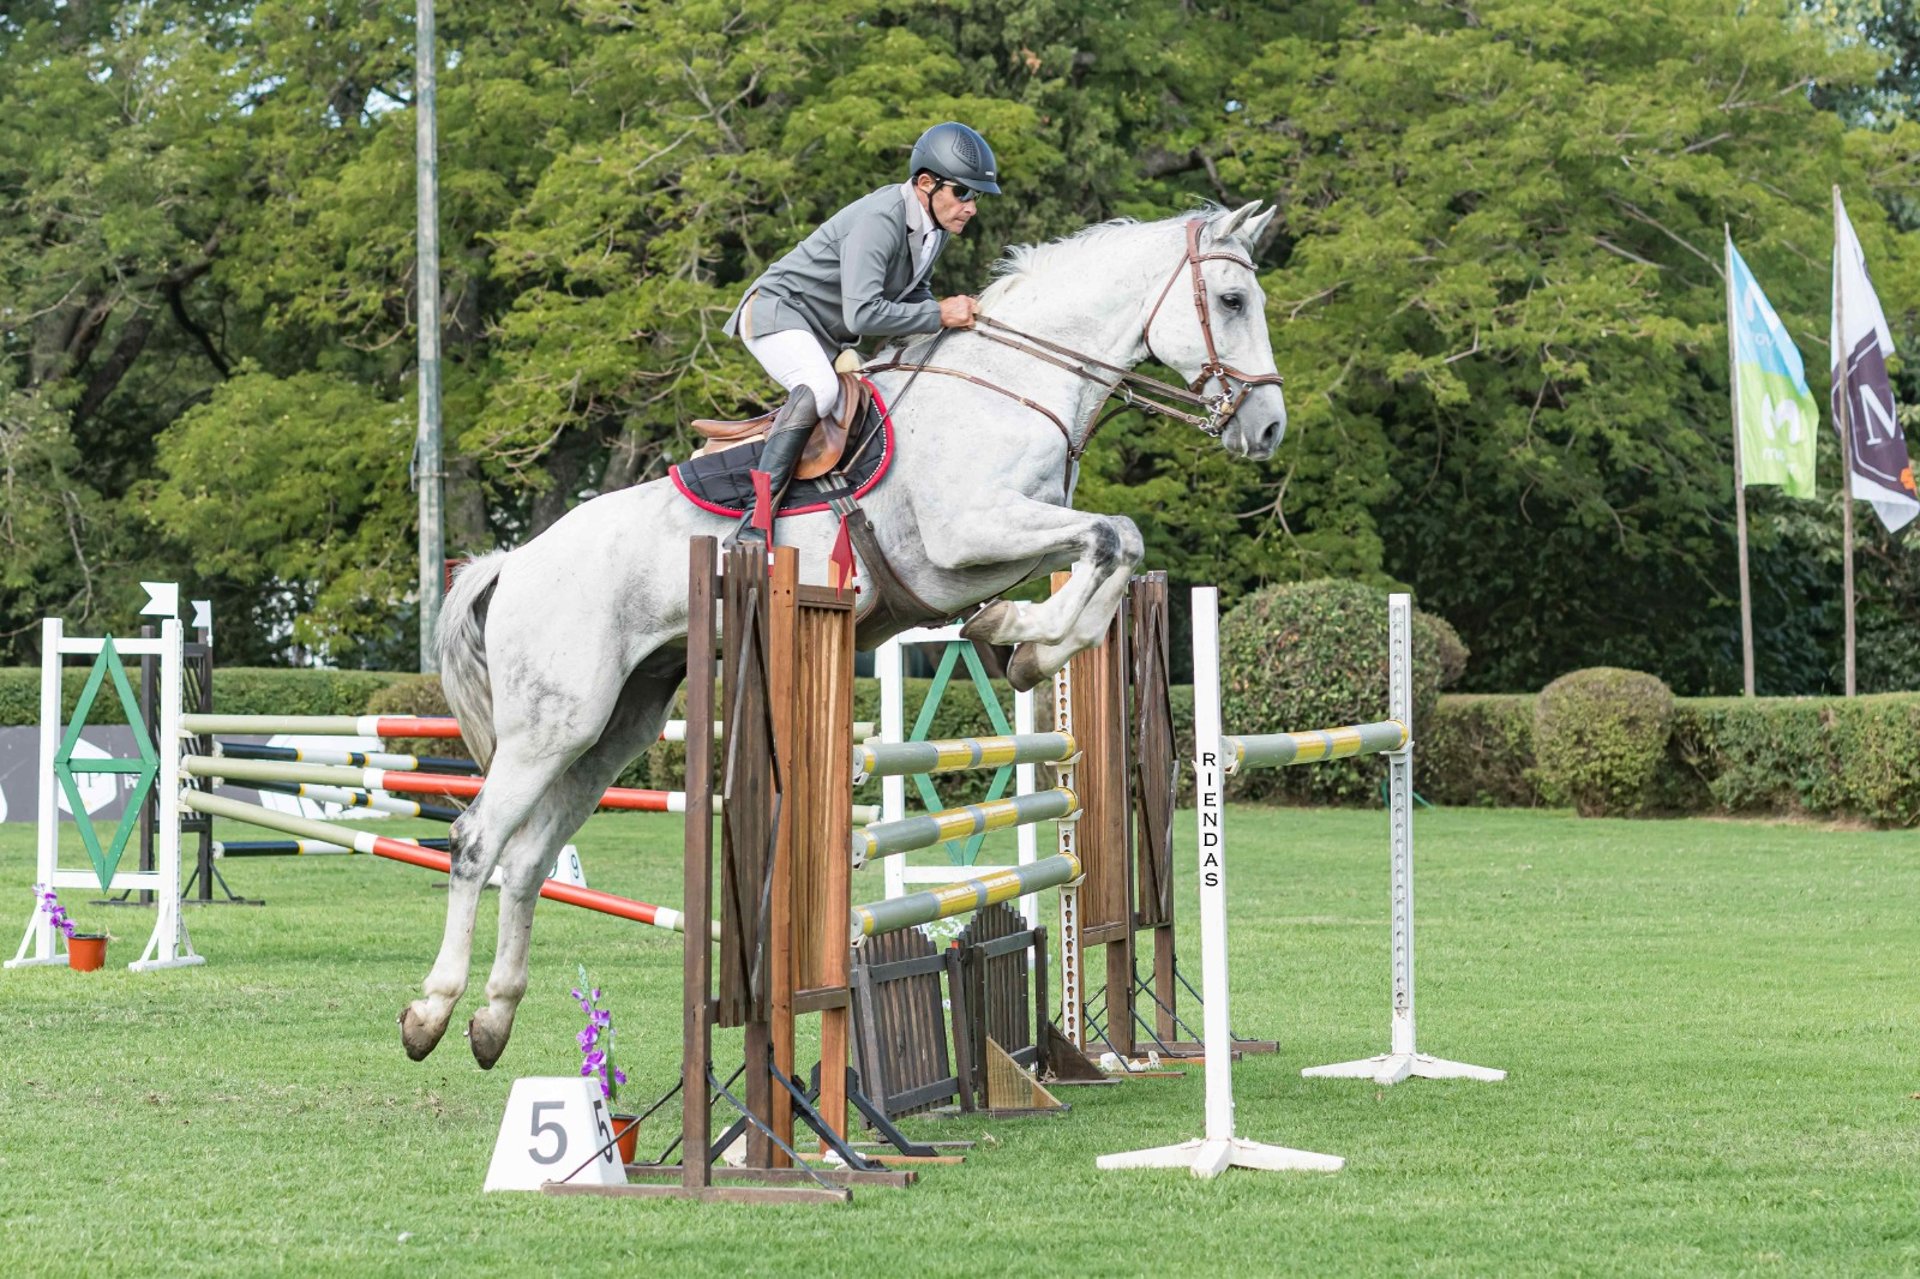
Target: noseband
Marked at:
1218, 409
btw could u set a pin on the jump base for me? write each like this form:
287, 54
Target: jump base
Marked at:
1211, 1158
1391, 1068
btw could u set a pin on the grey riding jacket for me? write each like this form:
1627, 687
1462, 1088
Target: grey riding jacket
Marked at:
853, 277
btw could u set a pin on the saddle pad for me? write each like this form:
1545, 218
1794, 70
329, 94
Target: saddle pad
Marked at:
722, 483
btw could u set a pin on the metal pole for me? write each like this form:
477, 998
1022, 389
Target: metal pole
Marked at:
1843, 366
1739, 476
427, 472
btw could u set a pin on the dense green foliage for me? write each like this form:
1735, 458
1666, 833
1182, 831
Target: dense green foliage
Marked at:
1314, 655
1599, 736
1706, 1027
1493, 286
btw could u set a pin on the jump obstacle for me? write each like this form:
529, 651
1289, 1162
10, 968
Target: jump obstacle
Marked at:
1220, 755
1115, 700
171, 794
788, 926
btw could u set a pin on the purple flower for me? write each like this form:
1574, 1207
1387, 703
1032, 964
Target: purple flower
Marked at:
50, 902
595, 1039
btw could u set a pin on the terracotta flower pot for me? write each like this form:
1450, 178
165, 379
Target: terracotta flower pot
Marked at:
87, 951
628, 1129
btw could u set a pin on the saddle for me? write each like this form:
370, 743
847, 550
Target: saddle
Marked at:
825, 446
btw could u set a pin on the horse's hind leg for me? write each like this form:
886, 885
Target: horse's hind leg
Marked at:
516, 783
571, 799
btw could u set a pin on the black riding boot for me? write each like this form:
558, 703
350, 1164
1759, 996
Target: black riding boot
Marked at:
779, 456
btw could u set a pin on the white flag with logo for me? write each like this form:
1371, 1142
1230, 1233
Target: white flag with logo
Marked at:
1882, 471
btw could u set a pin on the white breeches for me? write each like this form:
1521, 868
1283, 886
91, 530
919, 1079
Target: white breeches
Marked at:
793, 358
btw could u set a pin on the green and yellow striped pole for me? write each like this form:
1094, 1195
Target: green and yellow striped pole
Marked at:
884, 839
1313, 746
912, 909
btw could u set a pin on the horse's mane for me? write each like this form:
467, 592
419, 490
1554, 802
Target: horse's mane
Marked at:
1022, 262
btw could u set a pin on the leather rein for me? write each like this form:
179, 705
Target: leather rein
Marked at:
1218, 409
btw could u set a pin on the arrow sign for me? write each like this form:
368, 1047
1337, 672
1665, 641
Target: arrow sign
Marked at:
163, 599
203, 615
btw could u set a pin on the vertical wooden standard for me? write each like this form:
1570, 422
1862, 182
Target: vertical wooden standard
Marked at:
784, 653
1090, 701
1153, 797
819, 827
697, 883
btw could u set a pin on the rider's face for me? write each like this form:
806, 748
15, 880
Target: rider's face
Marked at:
952, 215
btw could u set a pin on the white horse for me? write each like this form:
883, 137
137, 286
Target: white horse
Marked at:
561, 658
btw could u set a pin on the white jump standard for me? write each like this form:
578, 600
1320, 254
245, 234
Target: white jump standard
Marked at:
1402, 1060
168, 946
1221, 1148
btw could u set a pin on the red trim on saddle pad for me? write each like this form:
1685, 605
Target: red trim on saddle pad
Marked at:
886, 461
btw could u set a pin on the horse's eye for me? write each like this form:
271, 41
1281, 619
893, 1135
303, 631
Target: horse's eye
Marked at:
1233, 301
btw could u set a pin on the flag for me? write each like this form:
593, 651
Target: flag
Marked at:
1882, 472
1777, 414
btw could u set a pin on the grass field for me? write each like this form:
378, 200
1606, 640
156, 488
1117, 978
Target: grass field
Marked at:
1709, 1029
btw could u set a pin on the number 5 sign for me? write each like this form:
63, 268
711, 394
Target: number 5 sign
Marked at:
553, 1125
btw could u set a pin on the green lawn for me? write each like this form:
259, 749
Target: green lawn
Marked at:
1709, 1029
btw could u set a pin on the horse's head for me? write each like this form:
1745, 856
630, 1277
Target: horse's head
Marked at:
1210, 323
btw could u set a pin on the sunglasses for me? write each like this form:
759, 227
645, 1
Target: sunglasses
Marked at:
966, 195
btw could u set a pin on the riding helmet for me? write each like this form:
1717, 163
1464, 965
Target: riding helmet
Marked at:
955, 152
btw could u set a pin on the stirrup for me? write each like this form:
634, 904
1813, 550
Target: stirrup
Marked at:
745, 533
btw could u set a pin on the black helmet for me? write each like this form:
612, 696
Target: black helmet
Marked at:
957, 153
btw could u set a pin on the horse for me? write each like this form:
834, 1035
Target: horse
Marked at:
561, 657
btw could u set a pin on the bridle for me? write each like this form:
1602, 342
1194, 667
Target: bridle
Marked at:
1218, 409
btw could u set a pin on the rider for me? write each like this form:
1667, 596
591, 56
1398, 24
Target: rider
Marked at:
862, 273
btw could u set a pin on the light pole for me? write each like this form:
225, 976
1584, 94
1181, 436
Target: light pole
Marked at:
428, 475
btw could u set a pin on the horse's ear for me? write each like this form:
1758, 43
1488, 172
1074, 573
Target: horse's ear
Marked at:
1230, 223
1258, 226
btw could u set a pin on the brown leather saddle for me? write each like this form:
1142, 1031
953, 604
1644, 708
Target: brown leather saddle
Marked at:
824, 447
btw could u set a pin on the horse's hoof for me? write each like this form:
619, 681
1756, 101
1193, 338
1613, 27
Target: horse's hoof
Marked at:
1023, 669
486, 1045
414, 1035
989, 623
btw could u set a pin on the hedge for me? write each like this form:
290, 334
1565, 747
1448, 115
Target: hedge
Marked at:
237, 690
1823, 757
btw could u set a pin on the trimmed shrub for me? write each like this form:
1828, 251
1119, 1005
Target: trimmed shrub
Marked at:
1477, 748
1599, 737
1314, 655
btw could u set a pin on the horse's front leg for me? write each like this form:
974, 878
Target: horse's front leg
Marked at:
1103, 550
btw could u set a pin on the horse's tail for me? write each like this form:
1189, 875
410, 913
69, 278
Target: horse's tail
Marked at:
463, 652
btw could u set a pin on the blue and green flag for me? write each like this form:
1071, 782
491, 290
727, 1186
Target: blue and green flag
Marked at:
1777, 414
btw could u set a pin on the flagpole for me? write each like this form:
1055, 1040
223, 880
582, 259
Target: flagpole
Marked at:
1843, 363
1739, 475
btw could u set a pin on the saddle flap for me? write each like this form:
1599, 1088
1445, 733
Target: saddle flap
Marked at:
733, 432
828, 443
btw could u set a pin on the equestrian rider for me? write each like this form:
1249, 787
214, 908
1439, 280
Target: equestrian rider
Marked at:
862, 273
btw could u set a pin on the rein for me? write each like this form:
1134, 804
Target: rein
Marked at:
1120, 380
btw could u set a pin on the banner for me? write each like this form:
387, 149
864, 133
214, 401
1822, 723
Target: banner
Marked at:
1882, 471
1777, 414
